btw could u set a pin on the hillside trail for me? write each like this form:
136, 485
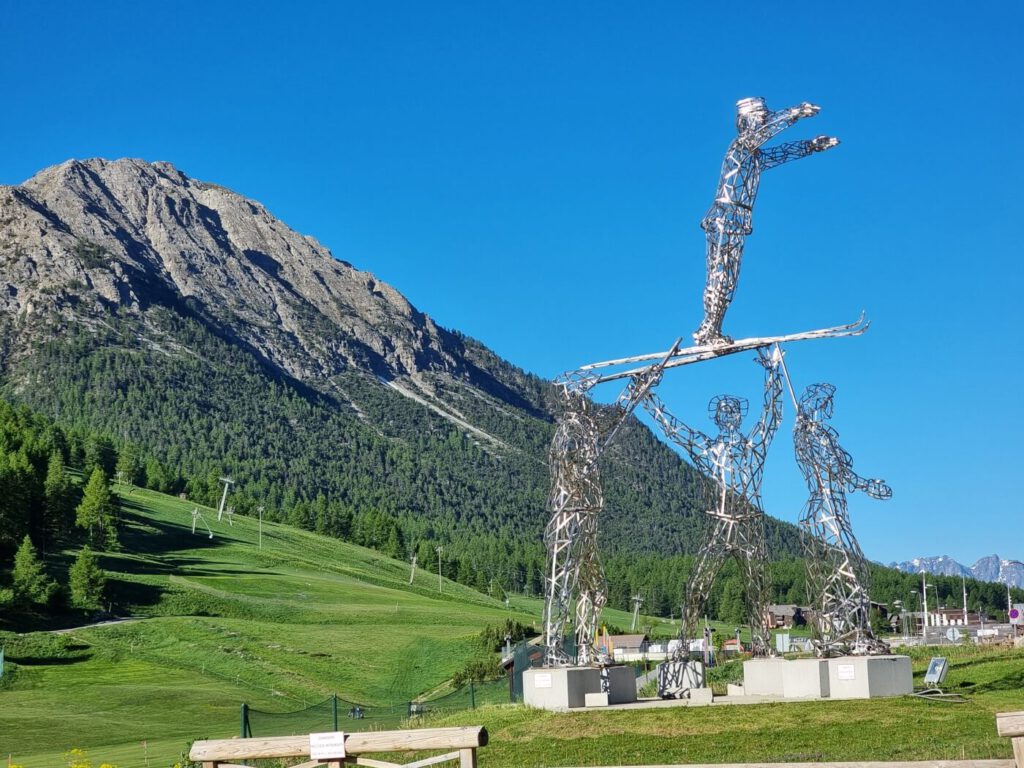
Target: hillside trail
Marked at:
104, 623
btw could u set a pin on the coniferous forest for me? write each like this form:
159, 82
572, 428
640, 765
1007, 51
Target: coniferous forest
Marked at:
57, 513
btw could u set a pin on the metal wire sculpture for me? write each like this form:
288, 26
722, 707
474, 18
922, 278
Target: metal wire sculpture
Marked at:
733, 465
728, 221
573, 561
837, 572
574, 579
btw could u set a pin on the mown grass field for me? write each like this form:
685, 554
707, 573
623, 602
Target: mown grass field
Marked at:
308, 616
226, 622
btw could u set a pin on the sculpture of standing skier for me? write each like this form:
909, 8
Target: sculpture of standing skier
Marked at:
728, 221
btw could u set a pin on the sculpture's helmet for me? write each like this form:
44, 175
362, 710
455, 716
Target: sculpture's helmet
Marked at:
817, 401
750, 114
727, 411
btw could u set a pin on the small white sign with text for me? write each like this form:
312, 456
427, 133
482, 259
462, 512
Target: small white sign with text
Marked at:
846, 671
542, 680
326, 746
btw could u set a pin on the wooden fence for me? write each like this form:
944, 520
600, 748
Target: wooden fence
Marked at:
461, 744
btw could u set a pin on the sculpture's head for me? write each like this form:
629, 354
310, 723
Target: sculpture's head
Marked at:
816, 401
751, 114
727, 411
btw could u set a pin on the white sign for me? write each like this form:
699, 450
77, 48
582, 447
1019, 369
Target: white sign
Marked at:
1017, 614
542, 680
326, 746
846, 671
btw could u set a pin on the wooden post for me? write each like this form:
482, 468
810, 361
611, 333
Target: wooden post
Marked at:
1011, 725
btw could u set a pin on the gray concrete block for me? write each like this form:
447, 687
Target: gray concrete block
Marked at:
622, 681
806, 679
596, 699
866, 677
699, 696
562, 688
763, 677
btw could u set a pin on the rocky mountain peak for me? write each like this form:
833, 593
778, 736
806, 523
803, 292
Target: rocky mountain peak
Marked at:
89, 236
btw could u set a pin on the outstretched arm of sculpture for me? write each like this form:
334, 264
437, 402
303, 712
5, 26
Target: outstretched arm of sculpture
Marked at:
780, 120
693, 441
771, 414
640, 383
794, 150
873, 487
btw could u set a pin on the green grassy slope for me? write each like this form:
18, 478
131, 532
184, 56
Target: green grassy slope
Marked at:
226, 622
905, 728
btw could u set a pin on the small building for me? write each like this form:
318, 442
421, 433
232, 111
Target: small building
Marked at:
787, 616
629, 644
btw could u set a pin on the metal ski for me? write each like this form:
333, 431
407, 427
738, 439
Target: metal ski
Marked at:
696, 354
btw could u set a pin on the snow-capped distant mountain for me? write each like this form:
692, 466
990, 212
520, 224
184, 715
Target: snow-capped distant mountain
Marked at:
989, 568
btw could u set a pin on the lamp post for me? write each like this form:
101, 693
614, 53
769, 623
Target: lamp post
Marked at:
963, 583
936, 617
924, 599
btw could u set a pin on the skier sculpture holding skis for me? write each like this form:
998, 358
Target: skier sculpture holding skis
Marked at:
728, 221
837, 573
733, 465
573, 568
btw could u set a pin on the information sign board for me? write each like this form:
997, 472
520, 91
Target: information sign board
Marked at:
326, 746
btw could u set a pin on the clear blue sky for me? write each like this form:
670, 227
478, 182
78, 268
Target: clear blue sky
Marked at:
533, 174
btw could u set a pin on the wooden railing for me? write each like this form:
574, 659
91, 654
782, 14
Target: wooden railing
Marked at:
461, 743
1011, 725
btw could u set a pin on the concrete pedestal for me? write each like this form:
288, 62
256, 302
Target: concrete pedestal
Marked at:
677, 678
846, 677
763, 677
561, 688
868, 677
806, 679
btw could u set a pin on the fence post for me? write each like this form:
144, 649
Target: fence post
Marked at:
334, 709
472, 696
245, 721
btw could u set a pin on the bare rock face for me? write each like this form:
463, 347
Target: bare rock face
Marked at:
90, 236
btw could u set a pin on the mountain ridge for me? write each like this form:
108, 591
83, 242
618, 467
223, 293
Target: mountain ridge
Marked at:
990, 568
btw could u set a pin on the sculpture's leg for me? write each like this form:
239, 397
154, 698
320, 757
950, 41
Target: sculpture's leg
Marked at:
591, 589
698, 586
755, 568
724, 252
560, 581
856, 585
816, 558
677, 676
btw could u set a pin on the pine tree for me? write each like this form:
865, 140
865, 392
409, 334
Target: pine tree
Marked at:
129, 466
87, 580
31, 584
96, 512
59, 494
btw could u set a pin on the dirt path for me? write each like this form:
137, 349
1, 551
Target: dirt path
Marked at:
95, 624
